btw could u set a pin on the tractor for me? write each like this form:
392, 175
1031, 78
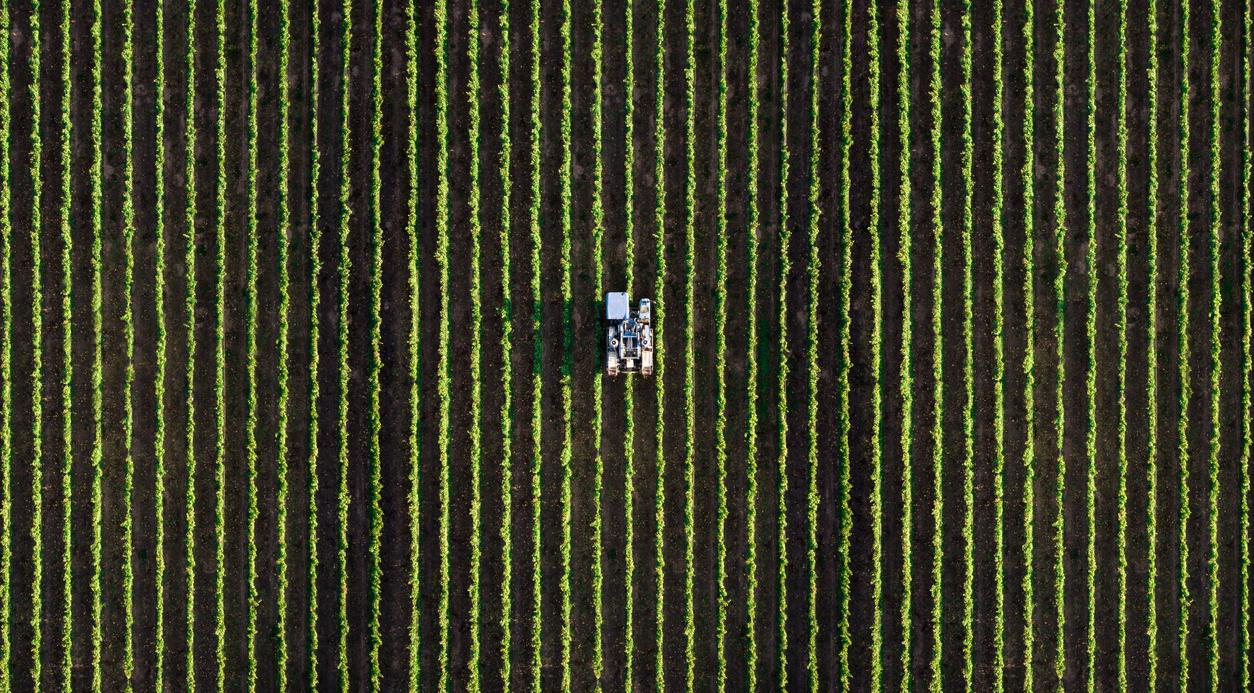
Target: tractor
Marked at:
628, 335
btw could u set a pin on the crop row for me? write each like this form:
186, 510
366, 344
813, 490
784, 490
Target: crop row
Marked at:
690, 357
476, 345
67, 367
507, 374
1059, 296
996, 223
1121, 332
533, 167
875, 296
219, 342
1185, 392
443, 348
189, 334
283, 219
159, 311
1247, 285
598, 259
344, 271
250, 348
414, 364
566, 457
720, 356
97, 371
938, 400
1028, 459
659, 320
1151, 351
315, 336
629, 399
754, 349
1214, 235
905, 210
966, 229
781, 369
37, 334
1090, 331
375, 326
6, 361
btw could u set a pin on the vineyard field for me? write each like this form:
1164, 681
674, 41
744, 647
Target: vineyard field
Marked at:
302, 349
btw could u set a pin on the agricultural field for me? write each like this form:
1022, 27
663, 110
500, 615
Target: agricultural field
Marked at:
302, 345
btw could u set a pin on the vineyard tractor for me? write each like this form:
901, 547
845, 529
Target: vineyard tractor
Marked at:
628, 335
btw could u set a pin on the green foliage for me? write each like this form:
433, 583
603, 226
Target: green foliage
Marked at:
565, 175
1121, 336
659, 355
938, 402
36, 374
476, 346
690, 357
999, 358
6, 367
159, 433
1028, 459
720, 356
1247, 285
755, 354
1060, 278
629, 423
97, 371
598, 235
968, 357
1090, 373
506, 317
443, 354
781, 370
1185, 393
905, 219
533, 165
250, 348
374, 454
67, 366
189, 334
219, 219
1151, 351
875, 297
315, 332
282, 227
1212, 559
344, 271
414, 263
